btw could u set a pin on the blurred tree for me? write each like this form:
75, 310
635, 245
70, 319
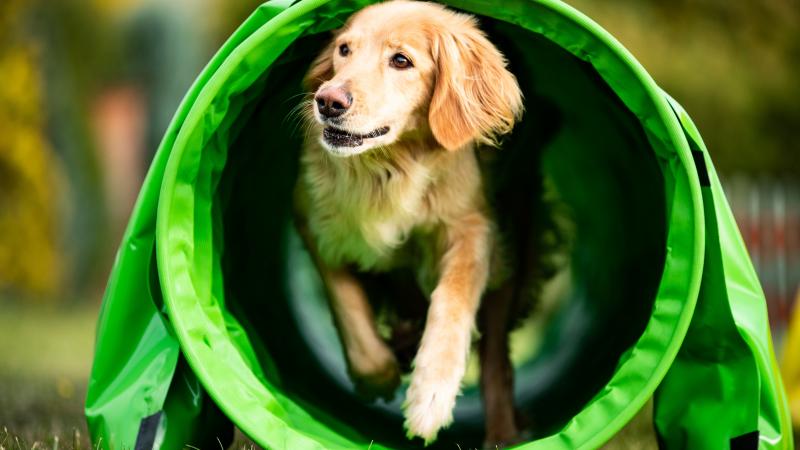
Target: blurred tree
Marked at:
165, 45
29, 177
734, 65
78, 57
228, 16
97, 65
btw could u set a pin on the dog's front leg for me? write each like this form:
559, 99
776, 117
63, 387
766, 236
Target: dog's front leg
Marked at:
372, 365
370, 362
442, 357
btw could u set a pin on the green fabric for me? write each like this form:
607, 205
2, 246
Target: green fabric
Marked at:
136, 353
244, 308
726, 364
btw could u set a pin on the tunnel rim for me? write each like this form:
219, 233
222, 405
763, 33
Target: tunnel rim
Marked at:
176, 276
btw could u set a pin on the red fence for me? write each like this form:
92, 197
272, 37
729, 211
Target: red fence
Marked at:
768, 213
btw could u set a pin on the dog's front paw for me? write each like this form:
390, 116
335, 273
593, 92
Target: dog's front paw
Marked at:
429, 405
376, 374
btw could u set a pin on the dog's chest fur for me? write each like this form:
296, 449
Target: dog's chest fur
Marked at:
365, 210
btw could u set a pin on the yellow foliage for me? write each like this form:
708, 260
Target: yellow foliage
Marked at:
115, 8
790, 367
29, 256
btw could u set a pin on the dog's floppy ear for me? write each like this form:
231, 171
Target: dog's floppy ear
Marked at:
475, 98
321, 69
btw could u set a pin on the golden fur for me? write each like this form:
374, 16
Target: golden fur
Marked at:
412, 197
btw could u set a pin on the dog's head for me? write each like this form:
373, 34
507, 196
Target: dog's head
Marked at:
410, 70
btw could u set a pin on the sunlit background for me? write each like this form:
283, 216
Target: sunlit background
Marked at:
87, 88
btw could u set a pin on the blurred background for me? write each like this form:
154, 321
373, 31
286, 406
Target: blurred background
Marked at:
87, 88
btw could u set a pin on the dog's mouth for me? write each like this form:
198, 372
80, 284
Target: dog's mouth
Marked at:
341, 138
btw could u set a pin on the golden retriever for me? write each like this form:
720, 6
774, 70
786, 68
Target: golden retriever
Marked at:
389, 179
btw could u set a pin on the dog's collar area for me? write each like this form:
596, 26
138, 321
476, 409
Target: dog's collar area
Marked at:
342, 138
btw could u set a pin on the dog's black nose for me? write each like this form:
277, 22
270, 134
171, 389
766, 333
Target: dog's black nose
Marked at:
333, 101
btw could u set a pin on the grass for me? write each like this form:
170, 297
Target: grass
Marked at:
10, 441
43, 413
45, 359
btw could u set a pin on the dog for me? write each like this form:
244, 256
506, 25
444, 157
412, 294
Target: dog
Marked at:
389, 179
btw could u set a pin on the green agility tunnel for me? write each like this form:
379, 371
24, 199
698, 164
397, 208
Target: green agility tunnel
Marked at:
214, 315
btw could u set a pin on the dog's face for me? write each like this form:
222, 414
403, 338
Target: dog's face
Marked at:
410, 70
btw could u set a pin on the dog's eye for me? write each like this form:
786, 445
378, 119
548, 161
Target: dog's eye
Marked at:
344, 50
400, 61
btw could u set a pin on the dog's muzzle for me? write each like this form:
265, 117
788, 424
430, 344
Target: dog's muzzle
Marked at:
340, 138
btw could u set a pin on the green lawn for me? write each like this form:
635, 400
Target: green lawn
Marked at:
45, 358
